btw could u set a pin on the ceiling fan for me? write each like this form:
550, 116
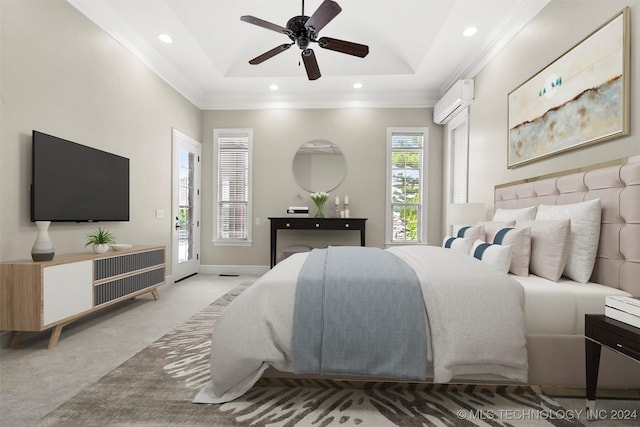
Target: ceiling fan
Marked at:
303, 30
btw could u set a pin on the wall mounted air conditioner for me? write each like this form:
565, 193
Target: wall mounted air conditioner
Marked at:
457, 97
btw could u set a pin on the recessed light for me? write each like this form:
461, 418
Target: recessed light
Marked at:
469, 31
274, 87
166, 38
357, 85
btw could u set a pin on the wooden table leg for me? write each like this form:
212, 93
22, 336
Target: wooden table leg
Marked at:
274, 239
55, 336
15, 339
156, 295
592, 362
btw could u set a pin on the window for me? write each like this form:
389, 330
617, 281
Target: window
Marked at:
459, 164
458, 141
232, 186
406, 185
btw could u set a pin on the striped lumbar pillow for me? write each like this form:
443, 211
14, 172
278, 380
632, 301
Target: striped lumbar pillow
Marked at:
459, 244
472, 232
519, 239
497, 255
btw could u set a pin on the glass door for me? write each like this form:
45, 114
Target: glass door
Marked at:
185, 206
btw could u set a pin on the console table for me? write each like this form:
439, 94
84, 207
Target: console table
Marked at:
599, 331
296, 223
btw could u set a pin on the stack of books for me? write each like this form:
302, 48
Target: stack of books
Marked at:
623, 309
298, 211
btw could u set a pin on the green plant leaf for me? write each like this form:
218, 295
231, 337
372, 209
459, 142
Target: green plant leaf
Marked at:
100, 236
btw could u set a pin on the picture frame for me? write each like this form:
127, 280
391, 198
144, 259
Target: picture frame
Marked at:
581, 98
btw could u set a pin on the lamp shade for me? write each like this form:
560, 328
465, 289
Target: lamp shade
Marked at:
465, 213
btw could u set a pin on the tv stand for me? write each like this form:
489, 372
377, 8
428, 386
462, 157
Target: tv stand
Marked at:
36, 296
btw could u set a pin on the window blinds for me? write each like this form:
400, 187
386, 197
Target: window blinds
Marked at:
233, 187
459, 169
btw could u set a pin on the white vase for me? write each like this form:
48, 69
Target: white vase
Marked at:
101, 248
42, 249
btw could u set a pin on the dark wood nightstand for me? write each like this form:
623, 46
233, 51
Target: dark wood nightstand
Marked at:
599, 331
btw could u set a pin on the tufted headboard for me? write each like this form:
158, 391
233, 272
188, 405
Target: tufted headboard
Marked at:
618, 187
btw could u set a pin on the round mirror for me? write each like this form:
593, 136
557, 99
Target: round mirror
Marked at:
319, 166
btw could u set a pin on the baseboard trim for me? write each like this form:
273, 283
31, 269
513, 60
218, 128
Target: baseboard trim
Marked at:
254, 270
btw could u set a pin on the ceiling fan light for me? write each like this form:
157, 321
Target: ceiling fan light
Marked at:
302, 30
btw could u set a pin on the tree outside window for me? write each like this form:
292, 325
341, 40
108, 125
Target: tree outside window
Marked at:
406, 186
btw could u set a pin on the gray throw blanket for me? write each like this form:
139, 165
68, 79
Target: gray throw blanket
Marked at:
359, 311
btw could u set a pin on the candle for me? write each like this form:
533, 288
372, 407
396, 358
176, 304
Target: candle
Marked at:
346, 199
337, 200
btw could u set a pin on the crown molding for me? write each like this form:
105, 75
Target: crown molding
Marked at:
520, 16
99, 12
235, 101
103, 16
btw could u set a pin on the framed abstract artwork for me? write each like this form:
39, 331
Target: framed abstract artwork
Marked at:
579, 99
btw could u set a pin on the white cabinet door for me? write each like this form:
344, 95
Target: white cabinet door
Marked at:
67, 290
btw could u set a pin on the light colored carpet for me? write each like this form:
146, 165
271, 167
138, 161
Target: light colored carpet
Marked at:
156, 387
34, 380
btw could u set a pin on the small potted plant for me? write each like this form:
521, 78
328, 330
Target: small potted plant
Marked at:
100, 239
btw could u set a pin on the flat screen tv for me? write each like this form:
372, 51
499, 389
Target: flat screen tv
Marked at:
75, 183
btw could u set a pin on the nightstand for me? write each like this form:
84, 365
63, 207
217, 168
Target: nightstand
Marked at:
599, 331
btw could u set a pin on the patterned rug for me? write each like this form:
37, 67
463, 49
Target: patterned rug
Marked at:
156, 387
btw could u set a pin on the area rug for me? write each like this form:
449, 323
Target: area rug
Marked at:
156, 386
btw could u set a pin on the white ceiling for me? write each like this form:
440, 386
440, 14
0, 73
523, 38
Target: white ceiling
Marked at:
417, 50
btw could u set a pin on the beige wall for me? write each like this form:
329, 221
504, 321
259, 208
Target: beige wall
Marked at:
62, 75
360, 134
557, 28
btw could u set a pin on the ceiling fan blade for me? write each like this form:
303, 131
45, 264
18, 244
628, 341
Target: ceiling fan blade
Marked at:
343, 46
323, 15
311, 64
269, 54
265, 24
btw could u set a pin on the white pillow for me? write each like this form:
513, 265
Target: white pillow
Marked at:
458, 244
520, 241
522, 214
472, 232
492, 227
585, 235
549, 247
497, 255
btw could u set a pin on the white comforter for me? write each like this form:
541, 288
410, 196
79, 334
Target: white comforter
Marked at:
476, 323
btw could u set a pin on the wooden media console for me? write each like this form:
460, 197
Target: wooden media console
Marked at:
36, 296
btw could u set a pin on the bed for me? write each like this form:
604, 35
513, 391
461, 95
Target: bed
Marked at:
537, 340
556, 353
